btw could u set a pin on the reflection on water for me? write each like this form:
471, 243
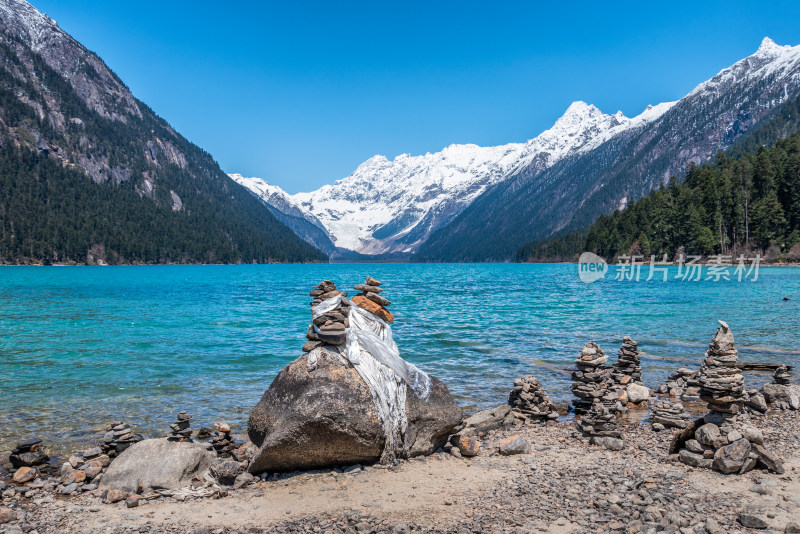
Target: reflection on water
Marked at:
81, 346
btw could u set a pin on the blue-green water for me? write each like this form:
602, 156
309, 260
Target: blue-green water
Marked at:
84, 345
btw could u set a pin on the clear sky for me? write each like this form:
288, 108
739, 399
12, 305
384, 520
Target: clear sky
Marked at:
300, 93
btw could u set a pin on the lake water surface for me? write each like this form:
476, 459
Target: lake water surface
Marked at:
80, 346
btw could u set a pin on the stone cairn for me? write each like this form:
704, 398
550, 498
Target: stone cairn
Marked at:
664, 414
330, 326
370, 299
722, 439
683, 382
591, 381
530, 402
222, 441
781, 392
180, 430
782, 376
28, 454
117, 438
627, 369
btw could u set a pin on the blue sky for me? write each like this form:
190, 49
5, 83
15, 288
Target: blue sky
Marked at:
301, 93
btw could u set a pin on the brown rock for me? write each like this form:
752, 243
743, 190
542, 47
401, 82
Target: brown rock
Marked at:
467, 445
25, 474
132, 501
116, 495
374, 308
222, 427
372, 282
6, 516
80, 476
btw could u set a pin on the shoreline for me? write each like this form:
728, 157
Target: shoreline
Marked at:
563, 485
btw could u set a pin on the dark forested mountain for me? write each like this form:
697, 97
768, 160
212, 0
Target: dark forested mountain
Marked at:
88, 173
747, 204
534, 204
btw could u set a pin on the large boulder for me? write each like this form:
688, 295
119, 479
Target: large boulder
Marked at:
158, 464
324, 415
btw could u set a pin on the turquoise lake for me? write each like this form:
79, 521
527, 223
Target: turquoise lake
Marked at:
80, 346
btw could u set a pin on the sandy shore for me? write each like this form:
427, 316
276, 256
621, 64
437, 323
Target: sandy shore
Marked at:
563, 485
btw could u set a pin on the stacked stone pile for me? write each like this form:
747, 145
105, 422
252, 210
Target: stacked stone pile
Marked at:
117, 438
599, 421
180, 430
782, 376
782, 393
530, 401
222, 441
722, 439
664, 414
627, 369
591, 381
683, 382
370, 299
28, 454
328, 329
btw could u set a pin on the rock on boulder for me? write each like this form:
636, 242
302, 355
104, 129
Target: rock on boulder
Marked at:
158, 464
325, 416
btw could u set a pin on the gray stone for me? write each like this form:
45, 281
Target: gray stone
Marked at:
637, 393
514, 445
486, 419
750, 520
792, 528
731, 458
694, 460
226, 471
325, 416
768, 459
608, 442
159, 464
707, 433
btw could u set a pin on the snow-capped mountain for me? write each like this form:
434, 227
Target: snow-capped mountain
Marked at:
393, 206
533, 204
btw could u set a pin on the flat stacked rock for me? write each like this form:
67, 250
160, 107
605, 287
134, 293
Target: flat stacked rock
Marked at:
371, 300
782, 376
722, 439
330, 326
600, 424
180, 430
28, 454
721, 380
222, 441
591, 381
683, 382
117, 438
627, 369
529, 400
664, 414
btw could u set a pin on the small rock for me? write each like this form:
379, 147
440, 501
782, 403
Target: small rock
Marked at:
132, 501
25, 474
749, 520
467, 445
608, 442
116, 495
515, 444
792, 528
6, 516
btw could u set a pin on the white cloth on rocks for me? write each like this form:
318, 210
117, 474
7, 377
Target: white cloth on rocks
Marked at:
375, 356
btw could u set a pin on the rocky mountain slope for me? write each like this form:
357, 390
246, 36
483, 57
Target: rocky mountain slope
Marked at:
90, 173
394, 206
533, 204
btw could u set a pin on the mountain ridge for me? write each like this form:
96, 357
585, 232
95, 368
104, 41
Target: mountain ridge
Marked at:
390, 206
62, 103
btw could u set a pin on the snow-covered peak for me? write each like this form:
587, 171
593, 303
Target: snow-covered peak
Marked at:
769, 61
394, 205
29, 24
768, 46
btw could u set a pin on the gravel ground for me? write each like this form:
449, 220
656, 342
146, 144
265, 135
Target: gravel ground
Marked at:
562, 485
